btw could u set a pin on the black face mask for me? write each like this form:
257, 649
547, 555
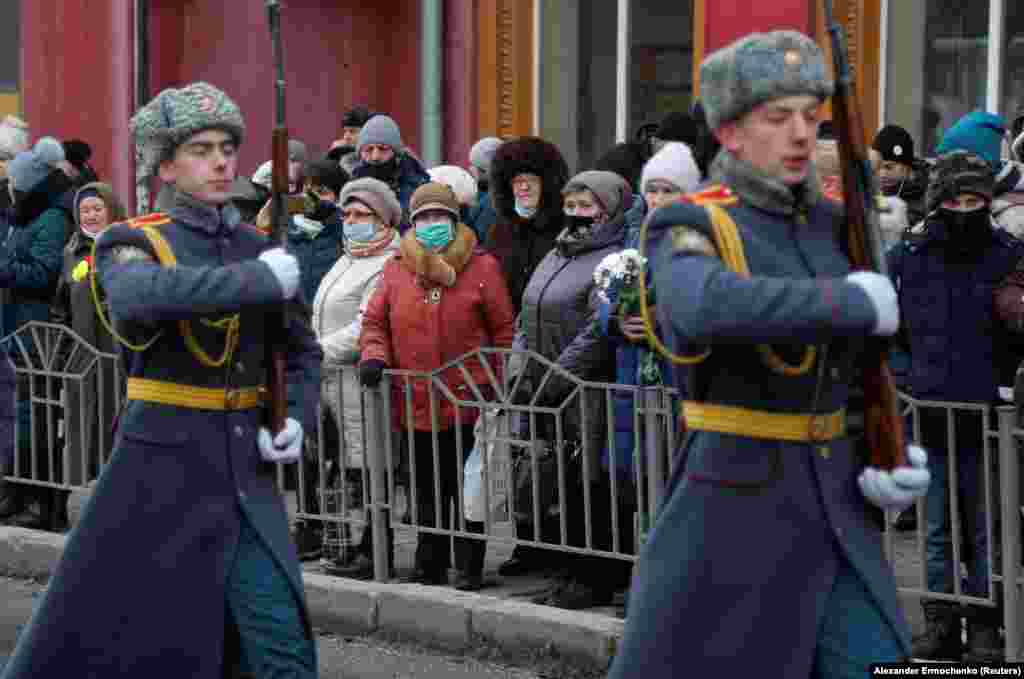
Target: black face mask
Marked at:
579, 223
383, 171
967, 227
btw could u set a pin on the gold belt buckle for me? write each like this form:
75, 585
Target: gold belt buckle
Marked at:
232, 399
818, 428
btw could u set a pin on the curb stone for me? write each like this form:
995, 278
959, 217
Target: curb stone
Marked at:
437, 615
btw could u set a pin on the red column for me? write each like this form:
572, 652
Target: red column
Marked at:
77, 74
460, 97
727, 20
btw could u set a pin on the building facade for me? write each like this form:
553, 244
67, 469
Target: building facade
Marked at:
583, 73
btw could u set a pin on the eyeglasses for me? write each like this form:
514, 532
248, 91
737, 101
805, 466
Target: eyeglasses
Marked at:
357, 214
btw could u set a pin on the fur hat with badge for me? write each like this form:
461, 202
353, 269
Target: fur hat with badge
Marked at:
959, 172
758, 68
176, 114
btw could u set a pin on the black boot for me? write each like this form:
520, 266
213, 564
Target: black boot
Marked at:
941, 639
983, 642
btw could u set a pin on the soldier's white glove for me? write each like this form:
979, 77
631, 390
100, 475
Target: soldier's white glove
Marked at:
285, 268
897, 489
285, 447
883, 298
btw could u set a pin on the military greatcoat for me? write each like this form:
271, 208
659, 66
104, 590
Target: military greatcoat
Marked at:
140, 589
735, 576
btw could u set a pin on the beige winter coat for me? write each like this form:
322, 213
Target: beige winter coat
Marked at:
338, 311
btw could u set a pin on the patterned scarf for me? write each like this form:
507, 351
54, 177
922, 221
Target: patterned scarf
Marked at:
372, 247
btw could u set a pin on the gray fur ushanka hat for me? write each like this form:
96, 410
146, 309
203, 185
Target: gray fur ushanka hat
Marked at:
175, 115
758, 68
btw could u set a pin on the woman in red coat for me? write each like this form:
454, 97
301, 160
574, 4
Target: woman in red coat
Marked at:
439, 299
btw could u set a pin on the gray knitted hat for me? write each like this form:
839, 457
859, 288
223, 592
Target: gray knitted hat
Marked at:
176, 114
759, 68
483, 152
376, 195
380, 129
613, 192
30, 168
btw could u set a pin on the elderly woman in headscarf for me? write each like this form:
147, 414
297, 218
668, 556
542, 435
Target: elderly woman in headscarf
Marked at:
89, 401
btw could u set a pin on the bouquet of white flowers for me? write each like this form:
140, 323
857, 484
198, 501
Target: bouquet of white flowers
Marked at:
618, 284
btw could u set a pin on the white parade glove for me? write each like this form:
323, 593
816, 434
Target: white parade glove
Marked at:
285, 268
285, 447
897, 489
883, 298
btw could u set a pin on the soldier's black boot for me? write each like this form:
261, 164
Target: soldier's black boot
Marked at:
941, 639
983, 642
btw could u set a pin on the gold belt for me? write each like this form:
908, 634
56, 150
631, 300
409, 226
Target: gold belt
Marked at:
762, 424
201, 398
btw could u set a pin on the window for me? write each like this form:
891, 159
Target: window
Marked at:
579, 70
936, 65
10, 56
10, 46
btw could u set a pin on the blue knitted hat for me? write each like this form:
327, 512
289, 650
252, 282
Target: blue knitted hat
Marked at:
980, 133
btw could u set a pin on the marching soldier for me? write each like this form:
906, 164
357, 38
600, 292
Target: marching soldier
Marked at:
182, 564
766, 559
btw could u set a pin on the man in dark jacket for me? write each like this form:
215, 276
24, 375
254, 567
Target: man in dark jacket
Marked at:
189, 499
947, 269
383, 156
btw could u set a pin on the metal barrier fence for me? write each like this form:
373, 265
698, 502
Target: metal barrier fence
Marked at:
550, 444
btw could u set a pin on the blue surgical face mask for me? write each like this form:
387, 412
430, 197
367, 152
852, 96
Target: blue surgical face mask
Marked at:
360, 232
435, 235
525, 212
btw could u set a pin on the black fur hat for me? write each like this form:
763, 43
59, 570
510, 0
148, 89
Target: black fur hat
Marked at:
959, 172
531, 155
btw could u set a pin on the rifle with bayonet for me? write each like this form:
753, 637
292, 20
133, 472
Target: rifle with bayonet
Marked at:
883, 424
277, 405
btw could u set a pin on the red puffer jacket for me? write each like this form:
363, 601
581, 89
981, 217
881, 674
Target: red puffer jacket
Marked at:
413, 324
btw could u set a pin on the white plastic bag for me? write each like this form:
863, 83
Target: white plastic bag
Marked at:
490, 452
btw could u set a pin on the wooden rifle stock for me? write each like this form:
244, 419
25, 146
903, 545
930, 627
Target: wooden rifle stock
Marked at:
883, 424
276, 328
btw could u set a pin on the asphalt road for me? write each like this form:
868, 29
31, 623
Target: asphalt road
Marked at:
340, 657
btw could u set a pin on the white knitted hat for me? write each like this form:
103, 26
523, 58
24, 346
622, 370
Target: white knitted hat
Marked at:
460, 181
673, 163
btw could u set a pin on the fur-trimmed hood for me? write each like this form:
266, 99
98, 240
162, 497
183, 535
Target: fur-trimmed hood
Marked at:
536, 156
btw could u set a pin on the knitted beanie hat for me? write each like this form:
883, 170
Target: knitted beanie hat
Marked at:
460, 181
610, 189
483, 151
356, 117
434, 196
674, 163
380, 129
13, 137
959, 172
30, 168
376, 195
979, 132
176, 114
895, 145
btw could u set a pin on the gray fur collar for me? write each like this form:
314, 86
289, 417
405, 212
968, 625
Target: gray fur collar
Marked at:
762, 190
209, 218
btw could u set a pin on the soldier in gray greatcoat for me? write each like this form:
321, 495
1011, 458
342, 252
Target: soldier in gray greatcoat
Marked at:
181, 565
766, 559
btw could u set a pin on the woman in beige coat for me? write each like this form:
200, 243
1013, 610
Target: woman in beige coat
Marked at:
371, 217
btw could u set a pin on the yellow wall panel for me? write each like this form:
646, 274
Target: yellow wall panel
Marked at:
10, 103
